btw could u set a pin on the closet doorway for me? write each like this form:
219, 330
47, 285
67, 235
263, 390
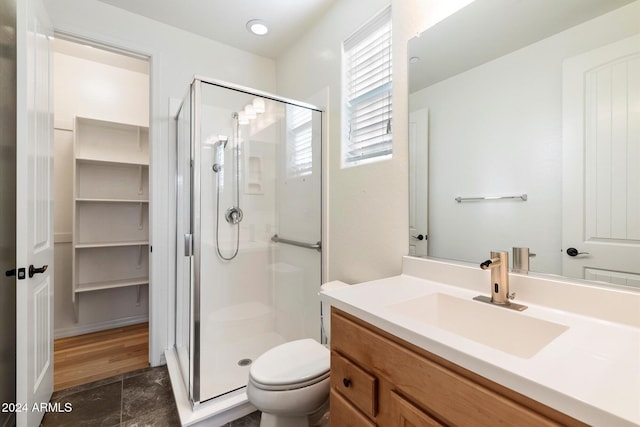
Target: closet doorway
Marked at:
101, 212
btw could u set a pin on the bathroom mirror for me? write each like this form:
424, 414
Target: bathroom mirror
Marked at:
512, 104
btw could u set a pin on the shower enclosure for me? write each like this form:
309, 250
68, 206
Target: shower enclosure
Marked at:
248, 251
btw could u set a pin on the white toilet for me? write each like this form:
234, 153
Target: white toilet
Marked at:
290, 382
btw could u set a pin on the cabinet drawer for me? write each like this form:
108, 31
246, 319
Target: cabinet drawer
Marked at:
359, 387
342, 414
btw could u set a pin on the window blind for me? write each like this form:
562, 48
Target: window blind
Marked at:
299, 138
368, 92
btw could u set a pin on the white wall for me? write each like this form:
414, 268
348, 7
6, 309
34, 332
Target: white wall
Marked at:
366, 207
176, 56
511, 143
89, 89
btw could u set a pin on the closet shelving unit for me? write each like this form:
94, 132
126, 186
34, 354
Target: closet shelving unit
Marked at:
111, 206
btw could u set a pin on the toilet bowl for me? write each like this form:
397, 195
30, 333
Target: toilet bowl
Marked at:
289, 384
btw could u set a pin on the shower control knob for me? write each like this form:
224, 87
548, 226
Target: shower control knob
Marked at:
234, 215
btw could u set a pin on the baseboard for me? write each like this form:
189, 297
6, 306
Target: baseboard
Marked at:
100, 326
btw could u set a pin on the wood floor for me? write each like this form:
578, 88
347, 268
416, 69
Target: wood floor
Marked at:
91, 357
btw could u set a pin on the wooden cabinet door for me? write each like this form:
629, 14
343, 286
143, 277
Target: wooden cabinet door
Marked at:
405, 414
343, 414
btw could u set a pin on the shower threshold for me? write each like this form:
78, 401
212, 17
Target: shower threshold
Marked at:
216, 411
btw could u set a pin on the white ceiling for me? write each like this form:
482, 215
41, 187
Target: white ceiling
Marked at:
225, 21
487, 29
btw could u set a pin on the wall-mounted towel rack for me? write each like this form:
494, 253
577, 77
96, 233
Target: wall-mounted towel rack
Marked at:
317, 246
459, 199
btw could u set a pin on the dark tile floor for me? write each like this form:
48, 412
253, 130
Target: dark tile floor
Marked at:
136, 399
251, 420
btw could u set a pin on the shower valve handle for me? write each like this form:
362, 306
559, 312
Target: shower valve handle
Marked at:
234, 215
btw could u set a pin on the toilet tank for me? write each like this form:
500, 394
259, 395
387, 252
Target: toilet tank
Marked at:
326, 309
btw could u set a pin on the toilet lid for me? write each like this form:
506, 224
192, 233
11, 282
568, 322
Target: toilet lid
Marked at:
291, 363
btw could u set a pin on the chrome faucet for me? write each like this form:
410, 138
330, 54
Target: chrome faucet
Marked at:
499, 266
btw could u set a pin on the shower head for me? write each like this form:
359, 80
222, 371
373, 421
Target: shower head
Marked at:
222, 140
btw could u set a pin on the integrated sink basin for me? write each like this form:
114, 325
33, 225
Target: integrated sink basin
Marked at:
493, 326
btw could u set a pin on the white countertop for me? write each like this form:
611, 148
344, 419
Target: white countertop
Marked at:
590, 372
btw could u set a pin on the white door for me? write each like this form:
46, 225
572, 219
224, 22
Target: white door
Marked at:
418, 181
601, 164
34, 240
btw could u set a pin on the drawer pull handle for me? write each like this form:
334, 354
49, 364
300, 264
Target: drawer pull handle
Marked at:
346, 382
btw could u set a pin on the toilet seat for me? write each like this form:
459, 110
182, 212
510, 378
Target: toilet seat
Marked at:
290, 366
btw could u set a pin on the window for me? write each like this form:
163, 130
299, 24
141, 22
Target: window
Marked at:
299, 138
367, 93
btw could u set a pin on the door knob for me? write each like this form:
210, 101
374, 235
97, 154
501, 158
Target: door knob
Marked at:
420, 237
33, 271
574, 252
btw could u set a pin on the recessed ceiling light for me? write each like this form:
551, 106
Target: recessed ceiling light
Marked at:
257, 27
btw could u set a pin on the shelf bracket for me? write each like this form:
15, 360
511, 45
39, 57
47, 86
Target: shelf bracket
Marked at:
141, 221
139, 257
140, 183
139, 297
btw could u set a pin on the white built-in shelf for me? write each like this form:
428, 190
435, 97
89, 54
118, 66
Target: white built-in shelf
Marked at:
111, 208
123, 162
111, 222
107, 141
110, 284
111, 180
88, 200
110, 244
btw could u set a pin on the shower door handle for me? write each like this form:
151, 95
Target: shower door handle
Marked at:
188, 244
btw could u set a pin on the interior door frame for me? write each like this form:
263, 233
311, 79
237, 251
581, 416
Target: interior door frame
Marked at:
8, 145
161, 301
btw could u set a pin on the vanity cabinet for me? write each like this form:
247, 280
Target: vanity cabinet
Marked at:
111, 206
379, 379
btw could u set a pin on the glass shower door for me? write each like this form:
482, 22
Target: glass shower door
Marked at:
249, 183
184, 246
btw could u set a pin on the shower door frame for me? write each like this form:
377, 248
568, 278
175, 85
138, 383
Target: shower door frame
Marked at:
195, 143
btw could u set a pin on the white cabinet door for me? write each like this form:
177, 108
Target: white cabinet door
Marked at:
34, 209
601, 164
